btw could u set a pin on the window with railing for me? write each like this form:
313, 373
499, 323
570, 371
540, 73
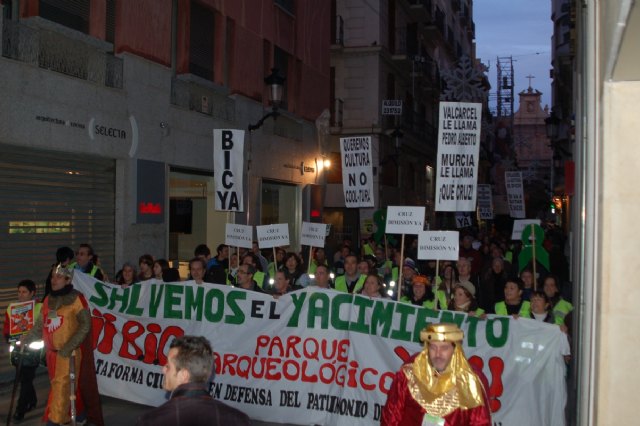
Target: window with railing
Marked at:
54, 51
70, 13
286, 5
201, 33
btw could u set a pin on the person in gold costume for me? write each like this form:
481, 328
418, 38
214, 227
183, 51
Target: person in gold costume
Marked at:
438, 386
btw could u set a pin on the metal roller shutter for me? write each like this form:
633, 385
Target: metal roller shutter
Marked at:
48, 200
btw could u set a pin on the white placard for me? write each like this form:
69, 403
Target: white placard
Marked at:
228, 160
438, 245
392, 107
485, 202
357, 172
405, 220
519, 225
313, 234
275, 235
463, 220
458, 156
515, 194
238, 235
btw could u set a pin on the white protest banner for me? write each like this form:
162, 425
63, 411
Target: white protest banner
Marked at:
458, 156
319, 355
515, 194
357, 172
276, 235
485, 203
463, 220
405, 220
228, 160
238, 235
438, 245
519, 225
313, 234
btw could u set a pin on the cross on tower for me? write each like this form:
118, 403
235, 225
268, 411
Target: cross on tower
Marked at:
529, 77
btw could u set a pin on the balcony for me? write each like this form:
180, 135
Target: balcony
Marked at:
421, 10
57, 52
196, 94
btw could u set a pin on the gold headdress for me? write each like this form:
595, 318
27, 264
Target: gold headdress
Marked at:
456, 387
62, 270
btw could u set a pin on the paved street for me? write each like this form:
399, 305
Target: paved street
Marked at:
117, 412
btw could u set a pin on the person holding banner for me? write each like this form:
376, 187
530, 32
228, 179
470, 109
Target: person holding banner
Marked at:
65, 326
282, 285
25, 369
560, 307
464, 300
421, 294
186, 376
351, 281
438, 386
321, 278
513, 303
245, 278
373, 286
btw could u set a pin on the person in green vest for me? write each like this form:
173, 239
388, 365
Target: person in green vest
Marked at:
541, 308
560, 307
382, 265
259, 276
280, 254
352, 281
84, 262
28, 398
513, 303
319, 258
421, 294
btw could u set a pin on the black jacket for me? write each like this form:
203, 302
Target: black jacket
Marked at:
191, 405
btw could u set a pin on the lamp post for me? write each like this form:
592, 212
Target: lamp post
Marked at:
275, 82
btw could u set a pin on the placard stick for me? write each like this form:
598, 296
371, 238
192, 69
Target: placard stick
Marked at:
533, 252
310, 256
275, 263
399, 284
435, 279
435, 283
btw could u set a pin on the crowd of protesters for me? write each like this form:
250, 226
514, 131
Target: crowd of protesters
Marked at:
487, 278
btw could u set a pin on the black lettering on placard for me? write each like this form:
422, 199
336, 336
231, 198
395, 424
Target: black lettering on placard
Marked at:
363, 178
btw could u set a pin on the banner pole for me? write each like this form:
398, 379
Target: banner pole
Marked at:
534, 244
275, 264
400, 268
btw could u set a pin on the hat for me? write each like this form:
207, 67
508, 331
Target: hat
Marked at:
441, 333
467, 286
409, 263
62, 270
420, 279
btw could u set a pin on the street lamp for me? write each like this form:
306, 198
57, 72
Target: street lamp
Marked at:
275, 82
552, 126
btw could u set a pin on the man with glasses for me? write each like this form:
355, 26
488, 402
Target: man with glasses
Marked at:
245, 278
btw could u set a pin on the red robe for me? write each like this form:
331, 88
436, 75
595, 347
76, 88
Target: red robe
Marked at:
401, 409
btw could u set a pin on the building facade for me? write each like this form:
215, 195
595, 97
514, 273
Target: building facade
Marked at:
107, 114
393, 50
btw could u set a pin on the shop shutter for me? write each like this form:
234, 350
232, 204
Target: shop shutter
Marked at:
49, 200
